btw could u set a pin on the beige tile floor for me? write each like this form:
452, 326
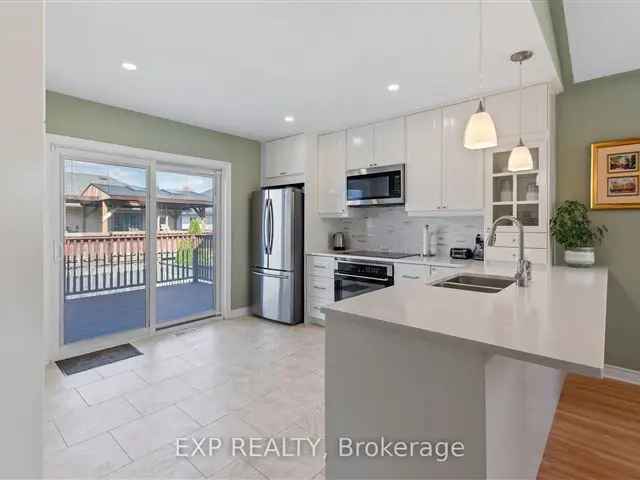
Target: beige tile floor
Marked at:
242, 377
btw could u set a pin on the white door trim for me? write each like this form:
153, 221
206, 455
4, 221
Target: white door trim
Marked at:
58, 146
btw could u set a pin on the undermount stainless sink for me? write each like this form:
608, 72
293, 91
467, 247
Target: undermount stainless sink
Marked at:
476, 283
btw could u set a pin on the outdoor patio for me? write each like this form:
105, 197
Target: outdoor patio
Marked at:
94, 316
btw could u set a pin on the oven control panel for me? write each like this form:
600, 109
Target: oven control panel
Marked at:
365, 269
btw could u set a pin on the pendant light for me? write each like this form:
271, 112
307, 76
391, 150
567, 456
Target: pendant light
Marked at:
480, 132
520, 157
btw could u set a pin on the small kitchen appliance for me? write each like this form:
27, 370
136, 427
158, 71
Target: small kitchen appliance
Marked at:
337, 241
375, 186
478, 251
461, 253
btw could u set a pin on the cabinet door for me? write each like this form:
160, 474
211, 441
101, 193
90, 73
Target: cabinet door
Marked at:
388, 142
523, 193
437, 273
505, 111
538, 256
331, 173
408, 274
424, 161
272, 159
285, 156
360, 147
293, 156
463, 176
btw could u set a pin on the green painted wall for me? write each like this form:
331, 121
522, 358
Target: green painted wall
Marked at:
83, 119
603, 109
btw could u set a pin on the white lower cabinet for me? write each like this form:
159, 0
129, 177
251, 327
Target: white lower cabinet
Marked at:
406, 274
531, 240
319, 285
506, 254
436, 272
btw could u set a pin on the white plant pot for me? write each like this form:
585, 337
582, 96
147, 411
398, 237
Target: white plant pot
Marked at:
580, 257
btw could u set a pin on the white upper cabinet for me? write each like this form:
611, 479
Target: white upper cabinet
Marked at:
284, 157
389, 142
424, 161
271, 159
505, 111
376, 145
360, 147
463, 168
522, 194
331, 173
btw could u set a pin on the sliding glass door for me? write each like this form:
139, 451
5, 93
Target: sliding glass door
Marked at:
141, 244
186, 245
105, 281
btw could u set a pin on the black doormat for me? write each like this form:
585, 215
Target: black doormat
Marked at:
96, 359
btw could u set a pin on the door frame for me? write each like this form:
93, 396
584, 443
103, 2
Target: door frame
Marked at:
60, 147
216, 177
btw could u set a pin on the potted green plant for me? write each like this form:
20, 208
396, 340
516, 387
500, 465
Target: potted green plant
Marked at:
571, 227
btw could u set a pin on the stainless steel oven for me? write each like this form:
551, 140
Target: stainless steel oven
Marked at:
375, 186
357, 277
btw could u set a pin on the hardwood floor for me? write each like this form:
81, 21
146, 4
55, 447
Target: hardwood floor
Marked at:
595, 432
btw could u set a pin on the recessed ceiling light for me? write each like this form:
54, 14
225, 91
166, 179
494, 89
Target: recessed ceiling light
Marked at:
129, 66
289, 119
394, 87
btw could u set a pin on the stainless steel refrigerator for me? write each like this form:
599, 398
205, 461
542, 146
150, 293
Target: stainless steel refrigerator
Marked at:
277, 270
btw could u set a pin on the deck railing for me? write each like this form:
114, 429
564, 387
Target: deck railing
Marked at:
104, 262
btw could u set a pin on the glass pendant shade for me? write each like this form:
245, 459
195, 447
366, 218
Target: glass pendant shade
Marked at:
520, 159
480, 132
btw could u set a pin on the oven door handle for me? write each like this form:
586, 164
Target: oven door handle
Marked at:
344, 275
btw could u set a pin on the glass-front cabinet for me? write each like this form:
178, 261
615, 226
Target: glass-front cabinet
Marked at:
521, 194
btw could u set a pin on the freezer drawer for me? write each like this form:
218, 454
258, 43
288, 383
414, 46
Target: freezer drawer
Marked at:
275, 295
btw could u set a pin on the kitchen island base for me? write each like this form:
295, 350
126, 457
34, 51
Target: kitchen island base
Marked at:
403, 385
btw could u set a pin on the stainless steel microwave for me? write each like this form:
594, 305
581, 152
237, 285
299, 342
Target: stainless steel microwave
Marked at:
375, 186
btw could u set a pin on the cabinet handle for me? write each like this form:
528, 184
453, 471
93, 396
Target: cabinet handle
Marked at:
319, 288
319, 266
283, 173
411, 277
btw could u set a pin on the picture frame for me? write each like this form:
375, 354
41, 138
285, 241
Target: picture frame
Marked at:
615, 174
622, 162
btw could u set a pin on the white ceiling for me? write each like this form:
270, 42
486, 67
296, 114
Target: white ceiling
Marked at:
240, 68
603, 37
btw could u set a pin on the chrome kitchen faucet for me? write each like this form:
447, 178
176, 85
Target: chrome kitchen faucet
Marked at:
523, 274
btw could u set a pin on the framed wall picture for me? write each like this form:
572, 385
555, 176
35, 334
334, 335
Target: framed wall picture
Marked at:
615, 174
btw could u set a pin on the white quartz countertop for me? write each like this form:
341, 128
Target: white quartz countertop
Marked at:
558, 320
438, 261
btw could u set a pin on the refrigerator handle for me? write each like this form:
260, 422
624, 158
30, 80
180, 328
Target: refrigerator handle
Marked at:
271, 275
270, 227
265, 227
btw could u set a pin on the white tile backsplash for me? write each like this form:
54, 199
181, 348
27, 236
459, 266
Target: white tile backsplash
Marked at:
391, 229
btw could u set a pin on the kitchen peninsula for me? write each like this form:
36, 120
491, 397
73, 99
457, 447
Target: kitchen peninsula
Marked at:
486, 369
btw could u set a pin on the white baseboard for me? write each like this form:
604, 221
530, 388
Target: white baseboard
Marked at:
239, 312
622, 374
